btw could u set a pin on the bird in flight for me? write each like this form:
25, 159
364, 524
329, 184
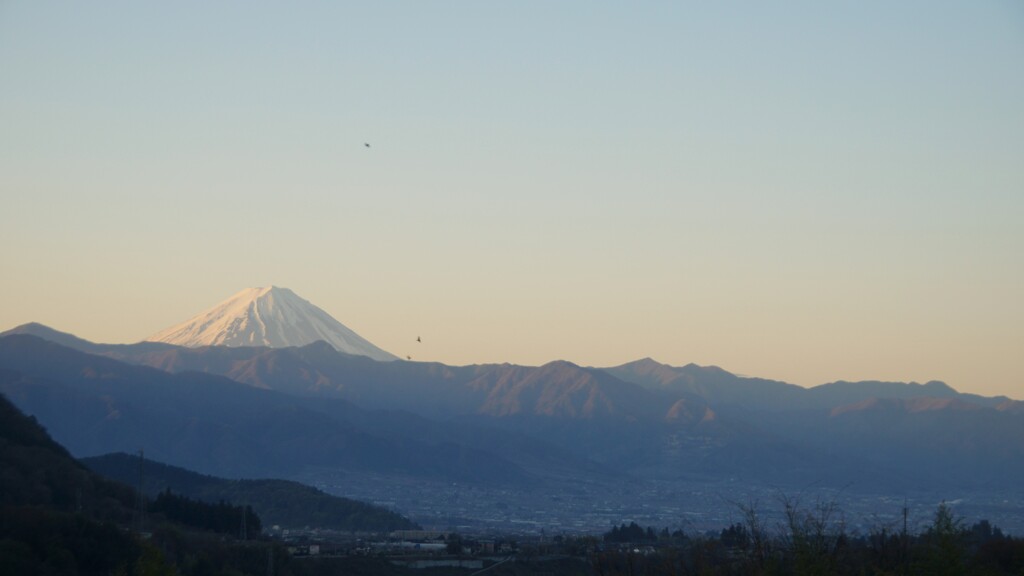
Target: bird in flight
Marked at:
367, 144
408, 357
418, 339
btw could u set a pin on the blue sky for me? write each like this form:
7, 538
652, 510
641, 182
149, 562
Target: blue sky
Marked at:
804, 191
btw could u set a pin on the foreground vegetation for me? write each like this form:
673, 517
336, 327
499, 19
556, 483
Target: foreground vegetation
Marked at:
813, 540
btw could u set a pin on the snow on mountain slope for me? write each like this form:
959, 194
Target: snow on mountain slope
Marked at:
272, 316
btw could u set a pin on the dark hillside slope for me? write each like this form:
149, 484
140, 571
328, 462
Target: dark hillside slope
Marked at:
57, 517
282, 502
39, 472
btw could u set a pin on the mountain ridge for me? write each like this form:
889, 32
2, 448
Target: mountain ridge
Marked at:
285, 411
207, 422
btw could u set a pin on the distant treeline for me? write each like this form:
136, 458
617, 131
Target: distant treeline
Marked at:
812, 541
635, 534
221, 517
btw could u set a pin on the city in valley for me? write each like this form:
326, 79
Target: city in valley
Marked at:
584, 508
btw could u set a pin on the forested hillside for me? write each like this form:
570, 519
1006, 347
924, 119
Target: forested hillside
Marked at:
281, 502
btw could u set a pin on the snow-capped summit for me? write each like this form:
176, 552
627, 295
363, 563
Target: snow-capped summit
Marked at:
272, 316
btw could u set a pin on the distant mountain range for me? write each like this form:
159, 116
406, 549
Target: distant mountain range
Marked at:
268, 385
95, 405
257, 411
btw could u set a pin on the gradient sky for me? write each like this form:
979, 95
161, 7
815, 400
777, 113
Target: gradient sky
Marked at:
805, 191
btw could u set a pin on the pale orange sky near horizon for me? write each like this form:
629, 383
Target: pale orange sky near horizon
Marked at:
804, 192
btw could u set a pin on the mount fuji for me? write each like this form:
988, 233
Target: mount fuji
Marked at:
271, 316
